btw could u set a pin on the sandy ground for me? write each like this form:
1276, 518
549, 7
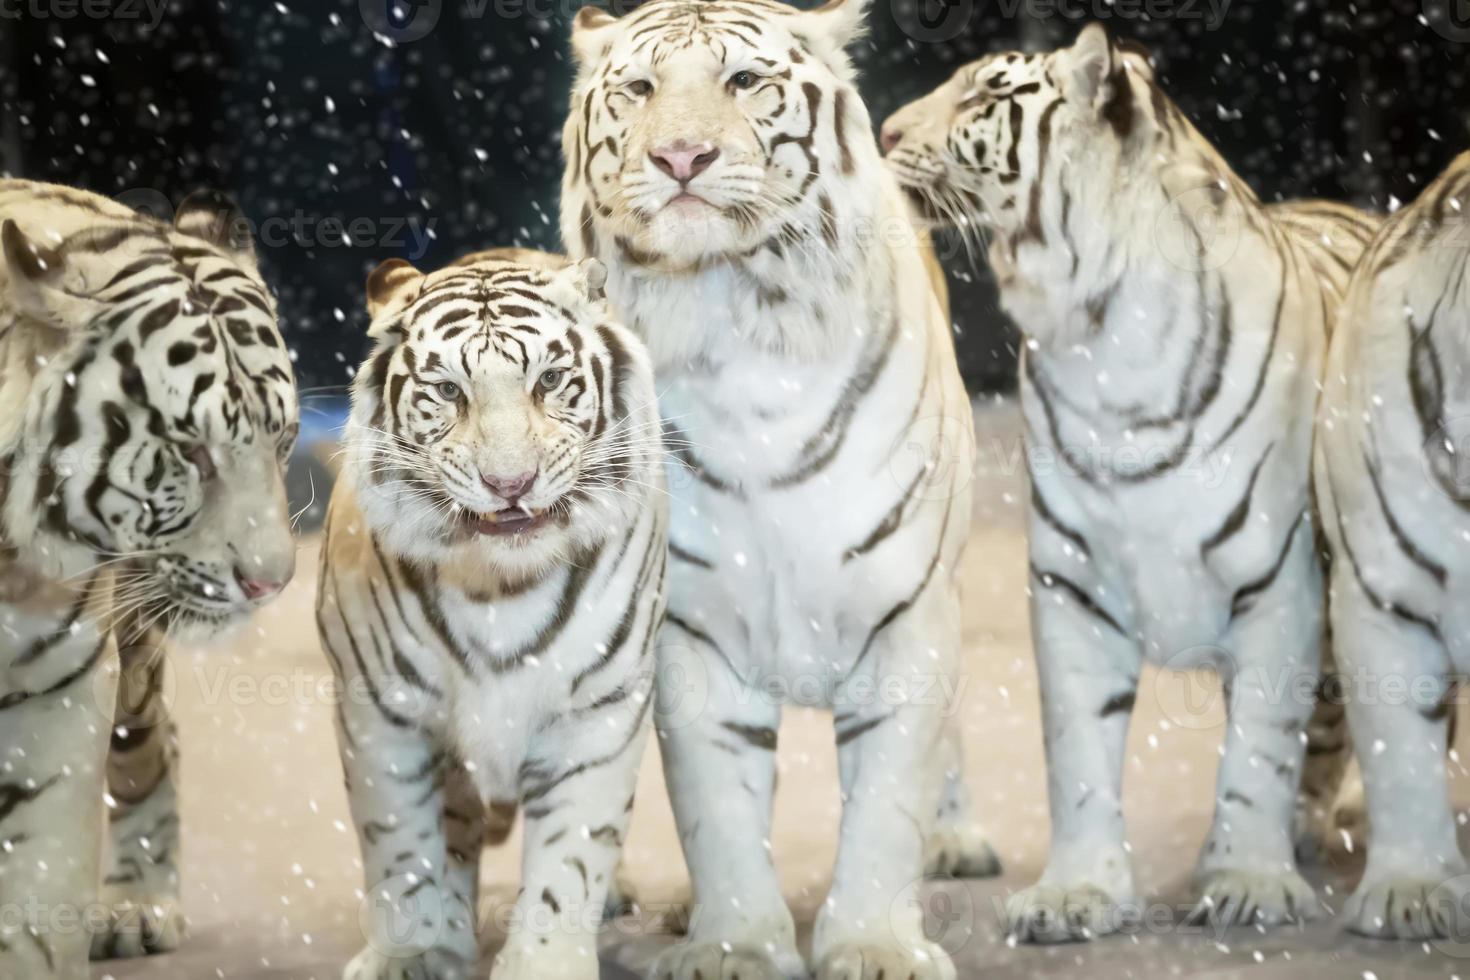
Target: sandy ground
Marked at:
272, 878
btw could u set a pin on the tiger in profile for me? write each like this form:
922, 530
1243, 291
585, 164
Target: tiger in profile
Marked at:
720, 161
491, 584
147, 406
1391, 480
1175, 332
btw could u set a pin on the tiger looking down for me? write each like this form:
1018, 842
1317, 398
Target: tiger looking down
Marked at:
492, 578
721, 163
1175, 329
147, 407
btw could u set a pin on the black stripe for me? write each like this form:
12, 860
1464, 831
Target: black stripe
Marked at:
1245, 597
758, 736
1051, 580
1412, 551
1236, 519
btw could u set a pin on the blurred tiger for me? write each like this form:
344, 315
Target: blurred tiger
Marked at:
1175, 329
491, 583
147, 406
720, 160
1392, 482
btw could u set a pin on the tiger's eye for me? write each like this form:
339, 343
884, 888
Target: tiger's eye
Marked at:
640, 87
550, 378
742, 79
448, 390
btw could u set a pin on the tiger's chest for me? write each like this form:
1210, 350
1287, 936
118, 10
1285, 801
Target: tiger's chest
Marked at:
520, 668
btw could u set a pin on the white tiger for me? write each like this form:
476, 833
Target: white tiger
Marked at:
147, 407
490, 586
720, 161
1175, 328
1391, 481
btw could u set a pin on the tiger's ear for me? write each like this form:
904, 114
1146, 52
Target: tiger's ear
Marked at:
592, 34
33, 275
1088, 65
585, 281
218, 220
392, 285
828, 30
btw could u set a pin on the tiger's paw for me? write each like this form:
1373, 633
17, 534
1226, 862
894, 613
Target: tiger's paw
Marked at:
960, 850
545, 958
1254, 898
727, 961
885, 961
429, 964
1410, 907
139, 926
1075, 912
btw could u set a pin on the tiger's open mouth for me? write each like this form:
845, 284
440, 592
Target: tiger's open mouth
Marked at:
511, 520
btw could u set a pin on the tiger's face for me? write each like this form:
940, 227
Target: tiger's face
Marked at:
503, 415
700, 130
974, 151
156, 434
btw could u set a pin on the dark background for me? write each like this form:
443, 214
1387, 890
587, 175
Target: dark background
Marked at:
426, 148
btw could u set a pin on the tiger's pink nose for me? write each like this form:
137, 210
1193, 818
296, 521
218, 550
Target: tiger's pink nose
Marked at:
258, 588
509, 488
683, 161
890, 138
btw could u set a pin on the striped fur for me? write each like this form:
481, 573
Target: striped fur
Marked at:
1395, 498
511, 668
146, 407
808, 377
1175, 328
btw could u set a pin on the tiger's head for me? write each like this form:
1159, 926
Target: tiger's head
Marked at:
701, 130
503, 417
974, 153
155, 400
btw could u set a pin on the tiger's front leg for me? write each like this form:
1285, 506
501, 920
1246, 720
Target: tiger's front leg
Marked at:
890, 731
417, 917
52, 772
1087, 664
141, 884
1247, 872
718, 740
577, 800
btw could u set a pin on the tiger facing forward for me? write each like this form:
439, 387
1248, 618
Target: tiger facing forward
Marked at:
720, 161
1396, 510
491, 582
1175, 329
146, 408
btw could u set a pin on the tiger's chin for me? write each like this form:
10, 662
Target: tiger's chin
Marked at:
685, 236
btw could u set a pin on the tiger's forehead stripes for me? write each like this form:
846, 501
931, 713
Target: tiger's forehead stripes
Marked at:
660, 29
195, 303
500, 311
